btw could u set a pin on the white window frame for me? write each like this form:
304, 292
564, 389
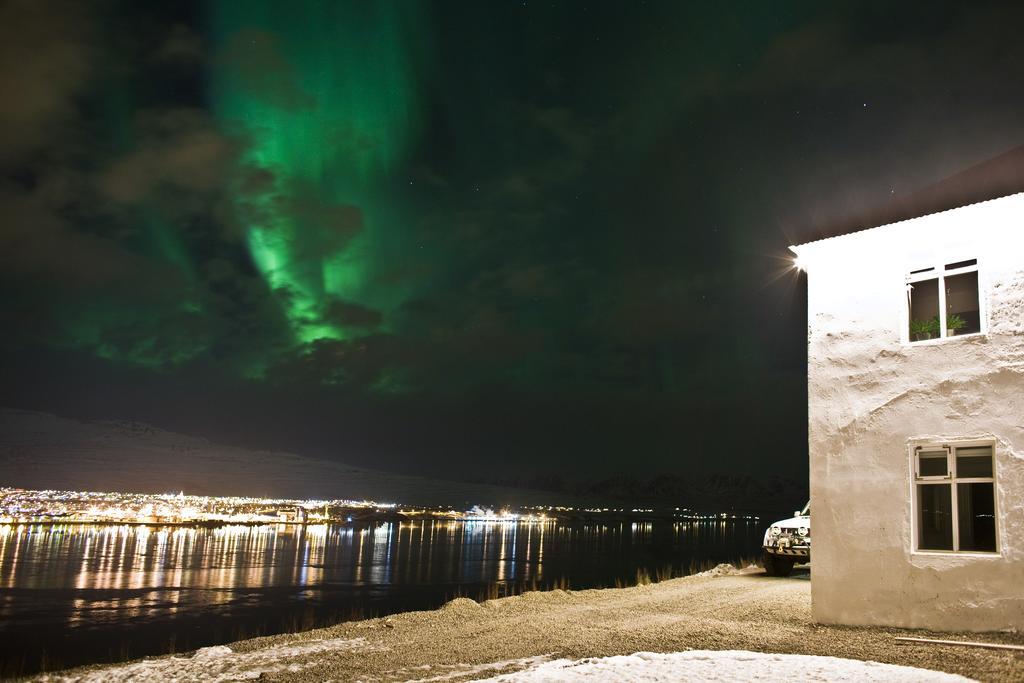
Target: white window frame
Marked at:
951, 479
937, 271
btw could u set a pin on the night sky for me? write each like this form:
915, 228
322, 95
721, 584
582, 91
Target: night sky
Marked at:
470, 239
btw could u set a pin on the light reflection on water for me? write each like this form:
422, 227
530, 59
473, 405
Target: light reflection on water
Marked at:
117, 557
94, 577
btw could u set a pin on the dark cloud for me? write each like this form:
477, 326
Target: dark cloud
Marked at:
38, 247
315, 224
178, 150
355, 366
966, 48
256, 59
182, 47
572, 134
351, 314
48, 56
334, 223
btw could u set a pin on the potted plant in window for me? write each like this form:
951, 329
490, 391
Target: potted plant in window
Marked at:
924, 329
954, 323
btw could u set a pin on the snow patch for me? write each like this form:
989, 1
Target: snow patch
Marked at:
219, 663
721, 666
212, 652
720, 570
450, 671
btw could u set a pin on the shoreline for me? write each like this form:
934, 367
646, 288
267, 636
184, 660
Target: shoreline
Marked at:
723, 609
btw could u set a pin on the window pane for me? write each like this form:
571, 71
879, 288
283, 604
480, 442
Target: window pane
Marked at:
935, 521
962, 311
924, 310
933, 464
974, 462
976, 515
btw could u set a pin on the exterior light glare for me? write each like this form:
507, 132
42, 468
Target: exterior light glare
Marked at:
798, 261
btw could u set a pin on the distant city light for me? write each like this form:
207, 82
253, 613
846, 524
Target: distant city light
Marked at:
23, 506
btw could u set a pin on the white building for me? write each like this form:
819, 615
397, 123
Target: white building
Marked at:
916, 420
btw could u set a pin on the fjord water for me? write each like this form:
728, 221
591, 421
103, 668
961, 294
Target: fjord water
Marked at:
75, 594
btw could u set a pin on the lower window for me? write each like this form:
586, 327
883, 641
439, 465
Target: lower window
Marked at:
954, 501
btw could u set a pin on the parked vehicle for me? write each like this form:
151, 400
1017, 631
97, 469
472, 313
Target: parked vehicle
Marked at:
788, 542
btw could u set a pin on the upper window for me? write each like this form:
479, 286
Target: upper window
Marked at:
954, 498
943, 301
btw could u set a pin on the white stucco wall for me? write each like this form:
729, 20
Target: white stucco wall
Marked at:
872, 397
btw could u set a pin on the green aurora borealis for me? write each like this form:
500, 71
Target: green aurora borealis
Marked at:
328, 98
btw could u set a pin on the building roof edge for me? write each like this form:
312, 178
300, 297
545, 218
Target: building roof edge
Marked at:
795, 247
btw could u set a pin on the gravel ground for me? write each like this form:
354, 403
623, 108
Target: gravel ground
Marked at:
466, 640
